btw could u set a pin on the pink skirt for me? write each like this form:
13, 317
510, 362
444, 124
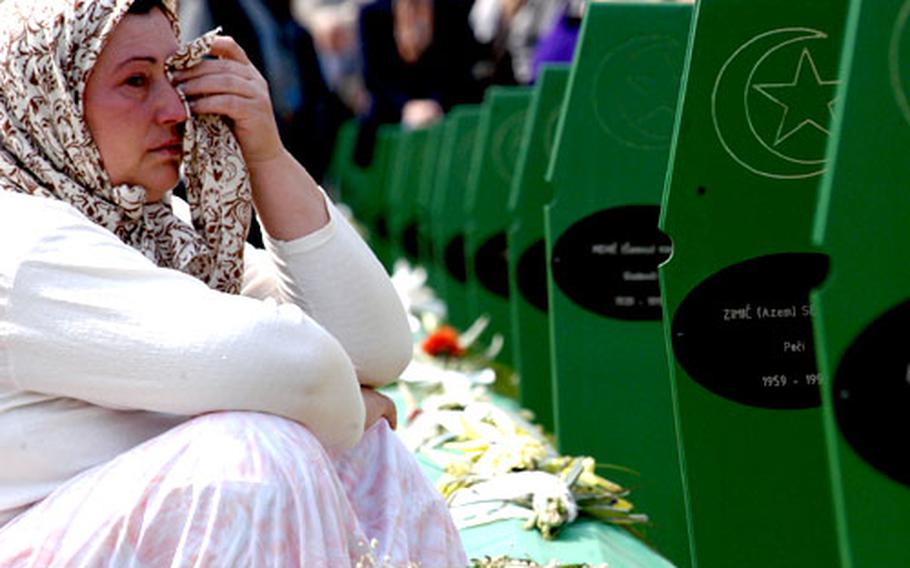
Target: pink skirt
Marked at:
241, 489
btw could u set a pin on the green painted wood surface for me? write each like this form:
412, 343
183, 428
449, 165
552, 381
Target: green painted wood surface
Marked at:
426, 186
379, 180
530, 192
342, 158
456, 154
347, 178
403, 192
862, 224
365, 190
492, 169
612, 388
748, 152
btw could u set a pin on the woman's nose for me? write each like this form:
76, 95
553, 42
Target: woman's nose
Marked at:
171, 109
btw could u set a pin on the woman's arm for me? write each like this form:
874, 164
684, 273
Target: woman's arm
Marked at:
325, 267
334, 276
90, 318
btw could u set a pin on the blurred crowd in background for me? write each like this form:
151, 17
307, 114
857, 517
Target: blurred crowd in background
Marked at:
384, 61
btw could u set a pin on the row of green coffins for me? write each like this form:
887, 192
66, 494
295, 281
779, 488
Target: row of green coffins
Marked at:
691, 242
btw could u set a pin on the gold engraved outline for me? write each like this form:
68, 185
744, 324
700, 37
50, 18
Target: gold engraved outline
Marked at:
649, 40
900, 92
813, 34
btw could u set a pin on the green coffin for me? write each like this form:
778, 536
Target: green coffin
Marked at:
863, 310
426, 186
448, 217
526, 248
610, 371
499, 138
403, 192
379, 179
747, 159
342, 158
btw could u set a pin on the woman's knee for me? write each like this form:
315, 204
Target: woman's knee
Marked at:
248, 446
379, 447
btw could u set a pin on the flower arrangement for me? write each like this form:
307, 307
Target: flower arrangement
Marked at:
496, 464
443, 343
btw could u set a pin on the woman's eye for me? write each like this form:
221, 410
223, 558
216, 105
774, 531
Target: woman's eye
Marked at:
136, 81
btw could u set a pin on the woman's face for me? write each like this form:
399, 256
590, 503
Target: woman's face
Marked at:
413, 23
132, 110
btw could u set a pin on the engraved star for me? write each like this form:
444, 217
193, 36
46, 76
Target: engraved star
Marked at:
807, 100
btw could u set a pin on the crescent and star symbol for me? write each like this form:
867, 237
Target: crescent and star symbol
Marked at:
807, 100
636, 85
771, 107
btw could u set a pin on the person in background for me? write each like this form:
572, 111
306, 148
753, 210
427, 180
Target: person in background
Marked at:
558, 44
170, 395
333, 25
510, 31
418, 58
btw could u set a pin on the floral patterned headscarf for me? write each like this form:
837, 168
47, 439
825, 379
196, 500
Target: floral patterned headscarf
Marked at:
47, 51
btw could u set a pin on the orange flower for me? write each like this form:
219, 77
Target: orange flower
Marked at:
443, 341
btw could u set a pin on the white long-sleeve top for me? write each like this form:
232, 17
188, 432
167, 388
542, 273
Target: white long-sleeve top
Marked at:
101, 350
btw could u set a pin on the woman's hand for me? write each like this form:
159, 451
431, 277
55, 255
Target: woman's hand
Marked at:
231, 86
418, 113
287, 199
378, 406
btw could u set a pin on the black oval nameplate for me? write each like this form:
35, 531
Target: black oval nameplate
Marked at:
491, 266
607, 262
455, 260
745, 332
871, 394
531, 275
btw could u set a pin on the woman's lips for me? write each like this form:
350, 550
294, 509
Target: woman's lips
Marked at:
172, 148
